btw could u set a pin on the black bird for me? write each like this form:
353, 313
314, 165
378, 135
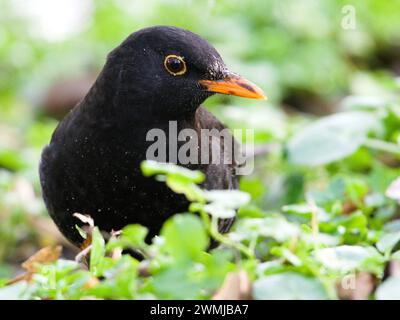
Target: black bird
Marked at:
92, 164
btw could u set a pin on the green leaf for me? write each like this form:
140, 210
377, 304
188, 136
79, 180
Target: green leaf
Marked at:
251, 211
273, 226
120, 280
11, 159
364, 102
135, 234
320, 239
253, 186
223, 203
331, 138
396, 256
81, 232
218, 210
185, 236
97, 252
177, 178
353, 227
356, 189
381, 176
176, 283
288, 286
389, 289
150, 167
388, 242
229, 198
343, 259
14, 292
184, 186
305, 211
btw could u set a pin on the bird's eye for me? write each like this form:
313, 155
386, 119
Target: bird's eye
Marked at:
175, 65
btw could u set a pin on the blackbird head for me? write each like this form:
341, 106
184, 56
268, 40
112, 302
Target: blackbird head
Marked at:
169, 71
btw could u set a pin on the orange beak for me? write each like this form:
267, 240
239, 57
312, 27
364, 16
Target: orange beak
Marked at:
234, 85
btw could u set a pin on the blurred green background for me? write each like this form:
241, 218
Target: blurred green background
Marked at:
299, 52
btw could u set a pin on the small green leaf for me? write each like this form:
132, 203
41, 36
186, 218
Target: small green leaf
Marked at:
176, 283
229, 198
343, 259
353, 227
135, 234
388, 242
13, 292
181, 185
251, 211
223, 203
12, 159
150, 167
273, 226
396, 256
185, 236
364, 102
288, 286
177, 178
331, 138
253, 186
218, 210
305, 211
97, 252
81, 232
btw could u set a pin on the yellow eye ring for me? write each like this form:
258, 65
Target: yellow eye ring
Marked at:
175, 65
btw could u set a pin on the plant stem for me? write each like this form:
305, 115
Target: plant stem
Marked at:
213, 230
382, 146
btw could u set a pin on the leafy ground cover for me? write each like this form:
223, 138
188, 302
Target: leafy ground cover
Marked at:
336, 236
318, 218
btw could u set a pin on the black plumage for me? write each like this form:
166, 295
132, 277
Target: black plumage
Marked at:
92, 164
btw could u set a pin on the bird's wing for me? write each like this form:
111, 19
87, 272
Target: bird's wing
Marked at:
219, 175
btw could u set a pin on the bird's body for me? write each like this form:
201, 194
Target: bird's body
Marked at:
96, 171
92, 164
